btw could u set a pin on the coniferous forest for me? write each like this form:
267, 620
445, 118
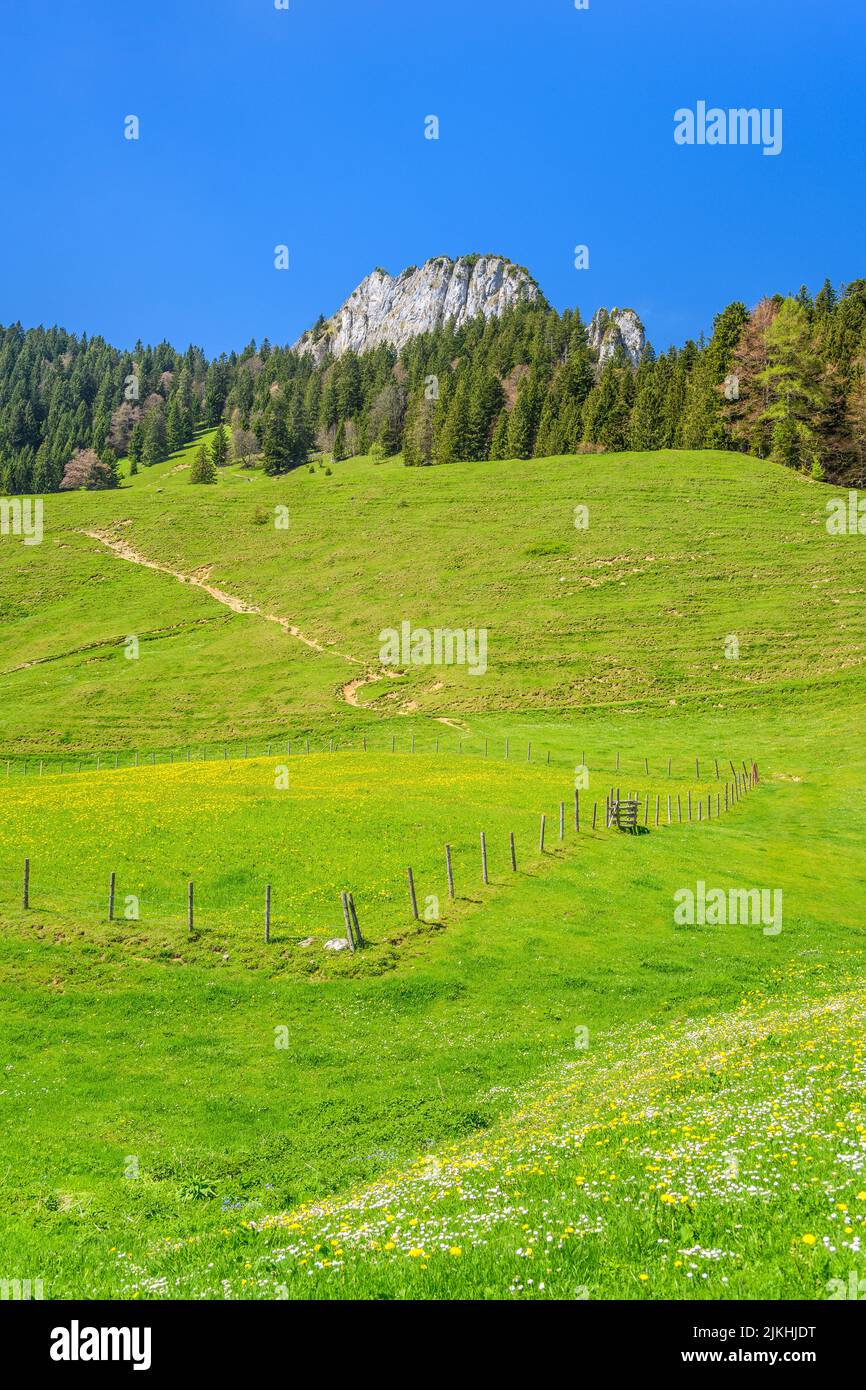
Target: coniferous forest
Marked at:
785, 380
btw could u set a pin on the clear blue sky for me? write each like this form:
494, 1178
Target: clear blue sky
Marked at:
306, 127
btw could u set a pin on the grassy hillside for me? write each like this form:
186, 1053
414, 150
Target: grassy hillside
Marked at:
681, 552
547, 1081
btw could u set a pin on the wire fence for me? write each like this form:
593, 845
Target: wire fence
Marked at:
282, 910
507, 749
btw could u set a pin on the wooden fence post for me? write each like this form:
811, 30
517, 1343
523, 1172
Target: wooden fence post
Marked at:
26, 895
267, 913
190, 910
717, 768
669, 808
541, 836
562, 820
450, 871
646, 767
646, 808
617, 761
690, 803
658, 799
513, 852
679, 810
483, 858
669, 767
358, 937
697, 770
111, 882
412, 898
577, 809
594, 806
346, 918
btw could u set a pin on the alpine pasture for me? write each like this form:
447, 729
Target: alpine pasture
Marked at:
544, 1086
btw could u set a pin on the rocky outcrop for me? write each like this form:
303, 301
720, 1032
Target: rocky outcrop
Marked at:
612, 328
385, 309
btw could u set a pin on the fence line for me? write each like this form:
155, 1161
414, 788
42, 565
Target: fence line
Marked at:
738, 788
39, 765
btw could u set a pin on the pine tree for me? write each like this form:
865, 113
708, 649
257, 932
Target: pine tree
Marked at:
454, 439
499, 442
523, 421
300, 435
136, 442
645, 425
339, 450
108, 460
175, 424
856, 411
276, 450
793, 380
748, 399
155, 447
220, 447
601, 409
419, 433
203, 468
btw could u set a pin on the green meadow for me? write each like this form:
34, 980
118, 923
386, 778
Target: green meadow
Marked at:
543, 1087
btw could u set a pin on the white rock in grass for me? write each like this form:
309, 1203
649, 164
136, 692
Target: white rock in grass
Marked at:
307, 941
337, 943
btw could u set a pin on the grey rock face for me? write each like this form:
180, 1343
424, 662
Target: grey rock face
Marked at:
610, 328
385, 309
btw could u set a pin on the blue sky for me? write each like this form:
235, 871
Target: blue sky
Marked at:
305, 127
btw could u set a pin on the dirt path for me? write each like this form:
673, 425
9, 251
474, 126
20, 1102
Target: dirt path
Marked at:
200, 580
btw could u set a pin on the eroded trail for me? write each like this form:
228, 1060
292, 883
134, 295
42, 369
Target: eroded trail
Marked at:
200, 580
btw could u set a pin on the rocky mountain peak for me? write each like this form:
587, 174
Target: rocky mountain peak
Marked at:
389, 309
612, 328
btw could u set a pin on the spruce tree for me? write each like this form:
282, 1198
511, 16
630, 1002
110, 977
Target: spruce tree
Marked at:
136, 442
155, 447
523, 421
339, 450
795, 387
203, 468
220, 447
499, 442
276, 452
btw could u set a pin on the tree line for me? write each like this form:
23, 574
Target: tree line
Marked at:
784, 380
